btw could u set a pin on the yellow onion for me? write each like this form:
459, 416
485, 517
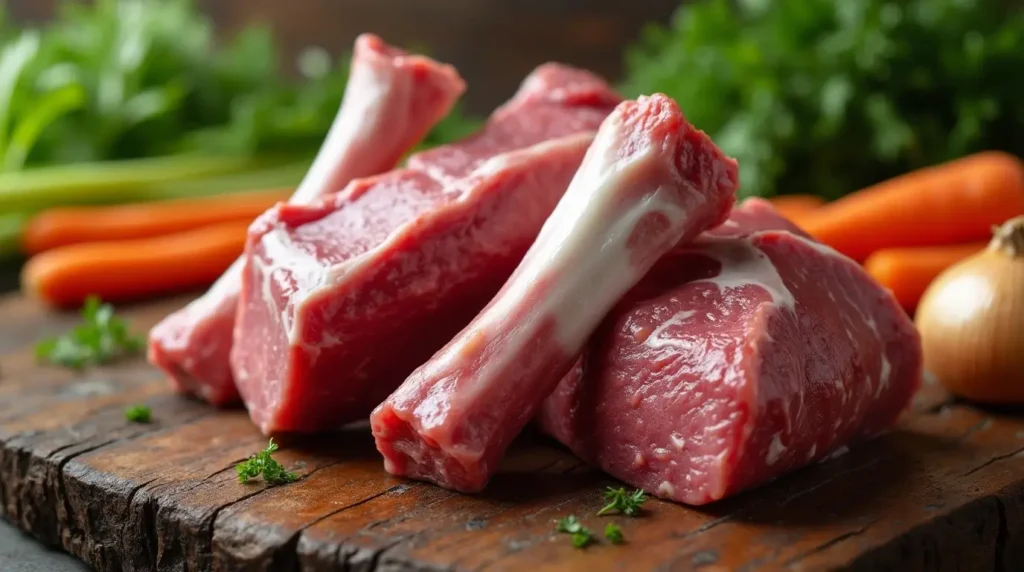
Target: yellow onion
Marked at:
971, 321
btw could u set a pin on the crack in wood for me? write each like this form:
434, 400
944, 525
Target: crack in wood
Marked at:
1002, 536
369, 559
148, 522
388, 560
575, 465
61, 493
206, 550
400, 519
170, 518
286, 556
824, 482
707, 526
118, 552
979, 426
830, 543
230, 466
993, 460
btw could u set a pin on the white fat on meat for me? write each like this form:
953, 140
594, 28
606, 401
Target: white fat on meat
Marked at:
884, 371
497, 164
885, 368
493, 167
302, 268
581, 252
775, 450
656, 341
586, 233
744, 264
629, 203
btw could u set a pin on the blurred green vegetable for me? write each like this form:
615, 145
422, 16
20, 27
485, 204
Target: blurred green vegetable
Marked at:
131, 100
118, 79
121, 79
825, 97
101, 338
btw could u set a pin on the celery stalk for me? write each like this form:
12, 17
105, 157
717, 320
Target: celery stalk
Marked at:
10, 233
280, 176
113, 181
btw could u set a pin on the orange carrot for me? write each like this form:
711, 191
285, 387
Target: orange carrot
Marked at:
952, 203
132, 269
796, 207
909, 271
73, 225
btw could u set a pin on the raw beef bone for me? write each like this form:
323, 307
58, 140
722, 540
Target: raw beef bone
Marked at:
739, 358
649, 181
343, 298
391, 101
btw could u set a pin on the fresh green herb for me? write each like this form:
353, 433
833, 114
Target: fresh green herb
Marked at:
613, 533
120, 100
627, 503
138, 414
116, 79
101, 338
826, 97
581, 535
262, 463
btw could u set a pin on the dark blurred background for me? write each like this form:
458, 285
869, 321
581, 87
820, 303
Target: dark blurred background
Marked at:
493, 43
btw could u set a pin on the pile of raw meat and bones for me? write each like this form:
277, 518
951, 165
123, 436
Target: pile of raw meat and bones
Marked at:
578, 264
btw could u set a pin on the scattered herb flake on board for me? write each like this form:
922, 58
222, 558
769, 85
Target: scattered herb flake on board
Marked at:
624, 502
613, 533
262, 463
581, 535
138, 414
101, 338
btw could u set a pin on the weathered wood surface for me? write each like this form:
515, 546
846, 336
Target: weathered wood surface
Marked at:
945, 491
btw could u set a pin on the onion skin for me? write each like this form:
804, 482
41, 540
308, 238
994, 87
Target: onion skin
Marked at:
971, 321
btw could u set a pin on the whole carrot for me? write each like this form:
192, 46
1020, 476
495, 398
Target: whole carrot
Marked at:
796, 207
909, 271
132, 269
952, 203
62, 226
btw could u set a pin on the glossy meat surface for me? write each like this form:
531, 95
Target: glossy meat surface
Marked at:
737, 359
649, 181
391, 101
343, 298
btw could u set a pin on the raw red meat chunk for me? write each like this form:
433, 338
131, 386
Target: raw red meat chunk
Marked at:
391, 101
343, 298
649, 181
741, 357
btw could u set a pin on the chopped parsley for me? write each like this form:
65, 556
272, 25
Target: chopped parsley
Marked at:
613, 533
581, 535
262, 463
624, 502
101, 338
138, 414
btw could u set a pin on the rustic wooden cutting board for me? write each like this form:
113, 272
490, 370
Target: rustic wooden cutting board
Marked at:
945, 491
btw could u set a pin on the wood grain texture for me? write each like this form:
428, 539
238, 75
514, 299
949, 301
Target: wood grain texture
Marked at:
944, 491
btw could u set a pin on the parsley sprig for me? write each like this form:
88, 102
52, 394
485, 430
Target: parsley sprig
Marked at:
262, 463
627, 503
138, 414
581, 535
101, 338
613, 533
